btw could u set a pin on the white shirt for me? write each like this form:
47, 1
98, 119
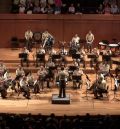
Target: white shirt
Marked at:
89, 38
28, 35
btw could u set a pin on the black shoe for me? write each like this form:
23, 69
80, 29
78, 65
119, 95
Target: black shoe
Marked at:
59, 97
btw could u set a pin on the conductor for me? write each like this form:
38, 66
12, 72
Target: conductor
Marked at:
62, 83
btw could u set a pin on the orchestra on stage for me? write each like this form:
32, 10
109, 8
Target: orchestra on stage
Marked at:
56, 71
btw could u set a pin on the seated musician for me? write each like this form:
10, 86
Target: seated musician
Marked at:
7, 78
50, 65
2, 68
3, 90
24, 87
19, 74
117, 82
107, 57
25, 58
100, 87
41, 76
77, 78
41, 51
117, 70
30, 80
82, 58
95, 59
104, 69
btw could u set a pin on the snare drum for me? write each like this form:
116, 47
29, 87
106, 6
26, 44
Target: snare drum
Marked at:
102, 45
113, 47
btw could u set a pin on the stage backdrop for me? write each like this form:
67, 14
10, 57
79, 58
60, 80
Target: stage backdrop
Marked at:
62, 27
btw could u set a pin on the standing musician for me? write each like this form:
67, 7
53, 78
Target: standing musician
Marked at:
28, 37
47, 40
89, 41
77, 78
76, 41
62, 82
100, 87
95, 52
50, 66
25, 57
41, 76
24, 87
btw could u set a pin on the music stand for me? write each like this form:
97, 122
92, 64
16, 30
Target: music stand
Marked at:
106, 57
40, 57
72, 68
23, 55
55, 57
76, 56
91, 56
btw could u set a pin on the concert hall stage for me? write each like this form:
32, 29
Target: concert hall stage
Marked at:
80, 102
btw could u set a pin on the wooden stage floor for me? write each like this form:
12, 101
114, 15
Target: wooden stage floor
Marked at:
41, 103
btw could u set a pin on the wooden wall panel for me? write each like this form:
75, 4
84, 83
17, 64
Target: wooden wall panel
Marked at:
63, 27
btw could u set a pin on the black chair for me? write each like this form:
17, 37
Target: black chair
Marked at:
14, 42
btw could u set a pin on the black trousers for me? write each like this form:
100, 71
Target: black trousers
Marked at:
62, 91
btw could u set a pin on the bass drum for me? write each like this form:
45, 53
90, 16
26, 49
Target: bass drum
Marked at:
37, 36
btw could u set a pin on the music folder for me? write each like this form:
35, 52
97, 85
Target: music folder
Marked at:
76, 77
23, 55
106, 57
56, 56
40, 56
76, 56
72, 68
91, 56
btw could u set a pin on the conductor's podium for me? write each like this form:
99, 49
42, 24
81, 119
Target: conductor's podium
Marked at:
58, 100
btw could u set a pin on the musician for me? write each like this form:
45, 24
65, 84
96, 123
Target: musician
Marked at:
25, 58
41, 76
77, 81
107, 57
7, 79
117, 70
19, 72
3, 90
2, 68
28, 37
89, 40
41, 52
76, 41
82, 58
100, 88
47, 40
95, 59
30, 80
24, 87
50, 65
62, 82
104, 69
